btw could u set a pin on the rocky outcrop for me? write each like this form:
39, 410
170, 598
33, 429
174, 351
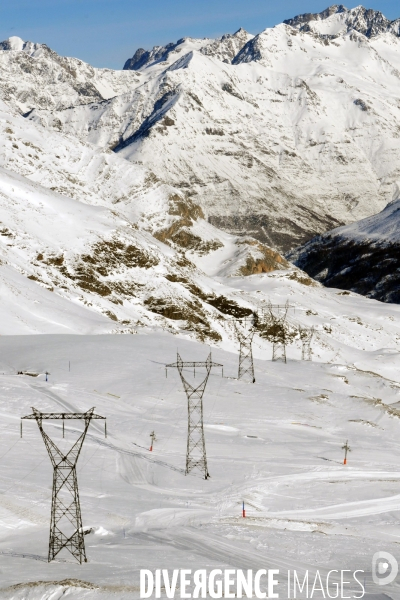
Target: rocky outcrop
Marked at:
369, 22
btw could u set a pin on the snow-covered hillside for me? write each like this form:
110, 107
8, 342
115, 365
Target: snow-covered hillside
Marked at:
363, 257
109, 238
294, 135
57, 251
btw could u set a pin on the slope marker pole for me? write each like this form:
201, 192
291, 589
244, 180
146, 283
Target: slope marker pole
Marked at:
346, 449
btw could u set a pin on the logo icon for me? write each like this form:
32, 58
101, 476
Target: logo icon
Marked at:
384, 568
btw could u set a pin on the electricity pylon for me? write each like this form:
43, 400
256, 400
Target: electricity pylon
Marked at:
306, 335
196, 457
66, 520
245, 330
276, 321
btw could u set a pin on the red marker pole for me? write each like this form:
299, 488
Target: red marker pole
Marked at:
243, 511
346, 449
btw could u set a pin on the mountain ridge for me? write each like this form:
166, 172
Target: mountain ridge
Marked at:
280, 142
369, 22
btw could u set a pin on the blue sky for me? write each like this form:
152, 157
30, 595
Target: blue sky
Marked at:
107, 32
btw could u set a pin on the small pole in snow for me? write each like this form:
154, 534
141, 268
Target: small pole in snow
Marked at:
346, 449
46, 375
153, 439
243, 510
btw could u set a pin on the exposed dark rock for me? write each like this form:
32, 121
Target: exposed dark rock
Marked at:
361, 104
370, 269
143, 57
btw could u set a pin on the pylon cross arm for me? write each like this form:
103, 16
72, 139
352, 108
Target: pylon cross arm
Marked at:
63, 416
194, 364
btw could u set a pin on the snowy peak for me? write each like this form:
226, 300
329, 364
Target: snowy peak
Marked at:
163, 55
24, 66
382, 229
224, 48
337, 19
143, 58
16, 44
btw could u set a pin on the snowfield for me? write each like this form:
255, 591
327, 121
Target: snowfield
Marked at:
276, 445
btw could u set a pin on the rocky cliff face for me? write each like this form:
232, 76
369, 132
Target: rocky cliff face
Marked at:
363, 257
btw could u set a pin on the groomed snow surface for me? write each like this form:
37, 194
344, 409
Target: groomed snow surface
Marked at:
276, 444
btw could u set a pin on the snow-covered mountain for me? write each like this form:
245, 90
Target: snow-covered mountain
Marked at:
278, 135
34, 76
83, 227
363, 257
224, 48
293, 135
338, 19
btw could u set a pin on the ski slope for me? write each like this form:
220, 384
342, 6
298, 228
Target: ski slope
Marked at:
275, 444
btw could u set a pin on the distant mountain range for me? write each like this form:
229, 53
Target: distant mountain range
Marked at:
210, 156
281, 135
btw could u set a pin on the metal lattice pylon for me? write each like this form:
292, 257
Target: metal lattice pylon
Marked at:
306, 335
279, 351
66, 520
245, 330
196, 457
277, 316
